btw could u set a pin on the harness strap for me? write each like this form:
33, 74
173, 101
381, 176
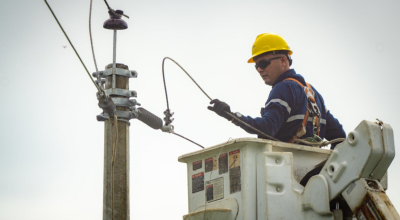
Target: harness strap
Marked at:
310, 96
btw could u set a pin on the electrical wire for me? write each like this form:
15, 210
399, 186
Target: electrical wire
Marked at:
112, 10
98, 88
90, 33
319, 144
229, 113
187, 139
113, 121
108, 6
251, 127
165, 86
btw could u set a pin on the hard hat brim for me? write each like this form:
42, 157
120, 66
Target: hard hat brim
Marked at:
252, 61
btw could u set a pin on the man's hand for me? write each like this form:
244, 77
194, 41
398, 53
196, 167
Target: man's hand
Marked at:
220, 108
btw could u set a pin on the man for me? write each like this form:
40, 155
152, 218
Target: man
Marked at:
294, 109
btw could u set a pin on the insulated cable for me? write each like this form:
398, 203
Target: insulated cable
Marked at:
165, 86
112, 10
319, 144
90, 33
97, 87
230, 114
109, 8
155, 122
251, 127
187, 139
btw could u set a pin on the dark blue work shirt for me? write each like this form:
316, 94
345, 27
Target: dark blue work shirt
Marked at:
285, 110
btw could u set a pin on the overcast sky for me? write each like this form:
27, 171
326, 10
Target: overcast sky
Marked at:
51, 146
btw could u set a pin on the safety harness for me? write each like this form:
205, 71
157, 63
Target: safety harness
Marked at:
312, 108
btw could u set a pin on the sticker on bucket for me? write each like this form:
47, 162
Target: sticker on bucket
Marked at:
223, 163
197, 165
234, 171
198, 182
210, 164
215, 189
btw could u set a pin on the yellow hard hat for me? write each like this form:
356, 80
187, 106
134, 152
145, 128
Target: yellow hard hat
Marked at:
268, 42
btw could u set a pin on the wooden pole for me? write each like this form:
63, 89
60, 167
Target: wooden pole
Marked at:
116, 207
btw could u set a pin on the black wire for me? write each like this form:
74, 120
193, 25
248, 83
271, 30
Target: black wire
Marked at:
90, 33
105, 1
251, 127
165, 86
188, 139
98, 88
112, 10
166, 94
229, 113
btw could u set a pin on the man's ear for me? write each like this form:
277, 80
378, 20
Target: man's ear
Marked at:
286, 61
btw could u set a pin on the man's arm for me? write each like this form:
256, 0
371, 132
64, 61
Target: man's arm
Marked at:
276, 112
271, 121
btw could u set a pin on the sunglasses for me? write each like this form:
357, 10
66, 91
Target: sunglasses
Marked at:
264, 63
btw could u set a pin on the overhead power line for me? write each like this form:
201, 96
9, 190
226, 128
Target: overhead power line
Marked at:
76, 52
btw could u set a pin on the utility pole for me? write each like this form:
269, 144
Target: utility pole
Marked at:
116, 179
118, 109
116, 129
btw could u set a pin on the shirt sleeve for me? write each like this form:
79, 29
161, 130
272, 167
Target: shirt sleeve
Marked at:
276, 112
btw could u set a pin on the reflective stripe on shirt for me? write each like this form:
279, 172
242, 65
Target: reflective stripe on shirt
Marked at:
301, 117
283, 103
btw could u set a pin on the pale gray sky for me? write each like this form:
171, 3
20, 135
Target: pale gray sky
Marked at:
51, 146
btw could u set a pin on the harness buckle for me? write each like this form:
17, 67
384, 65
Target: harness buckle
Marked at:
313, 108
302, 131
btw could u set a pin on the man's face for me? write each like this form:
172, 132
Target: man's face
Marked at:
271, 73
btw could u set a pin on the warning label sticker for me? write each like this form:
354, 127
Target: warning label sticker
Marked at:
234, 159
198, 182
210, 164
223, 163
215, 189
234, 171
197, 165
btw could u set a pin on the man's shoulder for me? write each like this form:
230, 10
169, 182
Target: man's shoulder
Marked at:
287, 85
286, 90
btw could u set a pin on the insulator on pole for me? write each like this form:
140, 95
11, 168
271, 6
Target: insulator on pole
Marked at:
149, 118
115, 22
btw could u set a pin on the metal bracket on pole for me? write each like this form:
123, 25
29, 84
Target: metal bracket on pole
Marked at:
122, 92
124, 102
122, 116
118, 71
106, 103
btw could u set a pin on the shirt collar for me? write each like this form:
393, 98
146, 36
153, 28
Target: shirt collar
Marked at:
291, 73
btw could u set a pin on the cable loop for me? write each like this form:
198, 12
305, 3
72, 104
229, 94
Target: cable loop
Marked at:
165, 86
234, 117
319, 144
